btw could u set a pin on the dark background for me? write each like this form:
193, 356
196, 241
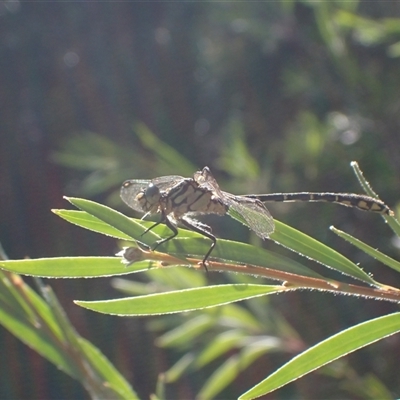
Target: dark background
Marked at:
272, 96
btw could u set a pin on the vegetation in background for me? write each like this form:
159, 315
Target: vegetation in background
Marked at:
244, 331
273, 97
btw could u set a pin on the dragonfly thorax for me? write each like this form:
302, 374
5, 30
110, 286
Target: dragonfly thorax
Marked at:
189, 197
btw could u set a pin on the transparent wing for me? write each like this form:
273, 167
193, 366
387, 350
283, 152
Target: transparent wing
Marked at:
131, 188
205, 179
166, 182
250, 213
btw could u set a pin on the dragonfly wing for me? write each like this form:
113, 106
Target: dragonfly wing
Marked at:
166, 182
131, 188
205, 179
252, 214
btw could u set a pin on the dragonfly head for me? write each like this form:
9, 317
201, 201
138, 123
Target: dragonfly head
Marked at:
149, 198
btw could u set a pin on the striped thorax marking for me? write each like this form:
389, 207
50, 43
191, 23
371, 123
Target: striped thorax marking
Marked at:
185, 197
189, 197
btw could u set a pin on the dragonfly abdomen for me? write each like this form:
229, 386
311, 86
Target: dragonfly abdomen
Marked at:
359, 201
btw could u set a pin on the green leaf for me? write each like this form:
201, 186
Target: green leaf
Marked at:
97, 366
11, 298
327, 351
391, 220
220, 344
179, 301
107, 370
234, 315
179, 368
121, 222
179, 278
231, 368
36, 338
87, 221
383, 258
46, 329
186, 331
167, 155
312, 248
235, 252
73, 267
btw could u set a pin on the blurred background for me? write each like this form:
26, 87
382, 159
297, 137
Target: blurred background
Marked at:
272, 96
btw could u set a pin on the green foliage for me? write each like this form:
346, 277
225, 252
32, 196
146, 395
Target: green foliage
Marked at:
214, 313
42, 325
287, 94
327, 351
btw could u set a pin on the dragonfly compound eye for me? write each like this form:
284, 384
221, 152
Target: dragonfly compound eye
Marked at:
152, 193
149, 198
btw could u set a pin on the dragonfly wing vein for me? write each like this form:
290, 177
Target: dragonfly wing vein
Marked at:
252, 214
131, 188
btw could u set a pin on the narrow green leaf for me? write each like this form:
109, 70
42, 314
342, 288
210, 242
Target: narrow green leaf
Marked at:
179, 301
312, 248
220, 378
236, 316
166, 154
11, 298
87, 221
130, 287
37, 339
179, 368
38, 311
383, 258
186, 332
178, 278
107, 370
362, 181
391, 220
219, 345
46, 334
119, 221
231, 368
93, 380
73, 267
327, 351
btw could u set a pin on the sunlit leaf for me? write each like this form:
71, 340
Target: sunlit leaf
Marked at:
312, 248
179, 301
383, 258
331, 349
73, 267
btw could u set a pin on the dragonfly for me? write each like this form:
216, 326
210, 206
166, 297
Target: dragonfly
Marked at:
179, 200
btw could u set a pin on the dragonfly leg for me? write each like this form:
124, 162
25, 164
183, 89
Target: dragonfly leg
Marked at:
153, 226
170, 225
203, 230
164, 219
